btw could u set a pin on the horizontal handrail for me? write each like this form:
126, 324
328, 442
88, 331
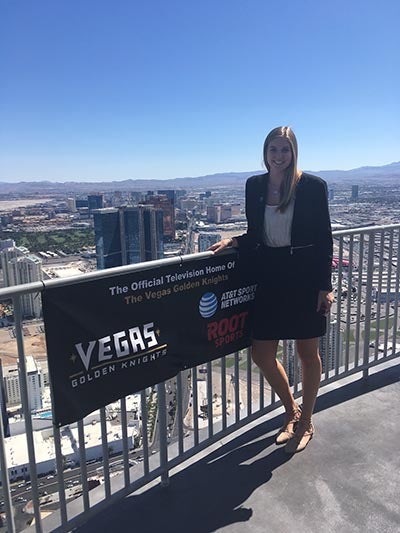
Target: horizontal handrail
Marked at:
365, 230
39, 286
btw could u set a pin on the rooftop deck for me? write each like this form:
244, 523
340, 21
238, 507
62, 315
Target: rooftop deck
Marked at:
211, 430
344, 481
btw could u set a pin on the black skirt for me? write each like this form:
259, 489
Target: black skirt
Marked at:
286, 300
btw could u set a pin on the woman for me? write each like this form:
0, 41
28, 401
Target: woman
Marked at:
289, 230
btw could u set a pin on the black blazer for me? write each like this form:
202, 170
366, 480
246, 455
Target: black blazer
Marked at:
310, 226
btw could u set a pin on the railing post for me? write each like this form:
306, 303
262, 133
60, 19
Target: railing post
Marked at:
125, 446
388, 292
210, 413
60, 476
26, 408
368, 298
359, 290
249, 383
195, 406
223, 393
162, 427
396, 292
237, 388
106, 452
349, 302
338, 345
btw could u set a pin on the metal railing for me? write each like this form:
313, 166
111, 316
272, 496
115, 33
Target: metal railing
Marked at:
183, 416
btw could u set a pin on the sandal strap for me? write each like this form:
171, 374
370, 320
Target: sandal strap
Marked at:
309, 428
296, 416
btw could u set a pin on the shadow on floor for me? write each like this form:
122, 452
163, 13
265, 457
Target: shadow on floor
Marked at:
209, 494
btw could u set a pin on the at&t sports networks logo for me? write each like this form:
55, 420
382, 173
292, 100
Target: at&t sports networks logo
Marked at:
208, 305
226, 330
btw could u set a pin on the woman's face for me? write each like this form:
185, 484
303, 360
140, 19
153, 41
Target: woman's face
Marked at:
279, 154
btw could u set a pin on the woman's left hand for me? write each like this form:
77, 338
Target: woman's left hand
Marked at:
325, 301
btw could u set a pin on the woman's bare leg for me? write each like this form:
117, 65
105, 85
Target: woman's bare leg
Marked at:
311, 372
264, 356
311, 369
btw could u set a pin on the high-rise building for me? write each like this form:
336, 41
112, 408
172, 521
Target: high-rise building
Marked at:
6, 243
35, 384
117, 199
226, 212
8, 251
166, 203
143, 233
107, 231
19, 266
27, 269
180, 193
235, 210
95, 201
207, 239
71, 205
328, 346
80, 202
354, 192
12, 387
214, 213
219, 213
169, 193
128, 235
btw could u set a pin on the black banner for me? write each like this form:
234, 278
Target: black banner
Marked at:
116, 336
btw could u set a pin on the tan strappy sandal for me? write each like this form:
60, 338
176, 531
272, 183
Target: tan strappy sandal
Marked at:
287, 430
304, 432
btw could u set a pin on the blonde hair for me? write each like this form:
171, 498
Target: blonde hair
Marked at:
288, 186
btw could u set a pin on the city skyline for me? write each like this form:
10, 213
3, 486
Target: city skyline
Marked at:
161, 91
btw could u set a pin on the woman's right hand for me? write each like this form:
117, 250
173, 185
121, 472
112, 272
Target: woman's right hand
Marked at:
221, 245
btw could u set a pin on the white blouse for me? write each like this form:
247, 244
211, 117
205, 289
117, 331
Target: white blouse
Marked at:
278, 226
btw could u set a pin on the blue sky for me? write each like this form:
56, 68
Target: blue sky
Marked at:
101, 90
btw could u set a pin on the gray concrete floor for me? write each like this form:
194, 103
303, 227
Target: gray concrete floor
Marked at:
347, 479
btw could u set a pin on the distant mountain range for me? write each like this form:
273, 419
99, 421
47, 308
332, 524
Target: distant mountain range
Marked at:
361, 175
